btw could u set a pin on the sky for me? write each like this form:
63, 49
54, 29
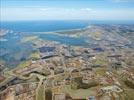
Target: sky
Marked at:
66, 10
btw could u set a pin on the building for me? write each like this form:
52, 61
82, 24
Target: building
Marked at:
59, 96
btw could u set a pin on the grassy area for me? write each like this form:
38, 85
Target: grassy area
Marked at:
100, 71
128, 94
40, 93
48, 94
132, 69
78, 84
24, 64
100, 61
74, 31
128, 91
34, 55
96, 35
79, 93
28, 39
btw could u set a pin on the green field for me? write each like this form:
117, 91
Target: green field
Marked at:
79, 93
28, 39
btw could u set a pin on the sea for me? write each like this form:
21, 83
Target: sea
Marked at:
12, 51
54, 25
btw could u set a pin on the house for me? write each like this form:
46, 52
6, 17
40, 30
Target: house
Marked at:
110, 89
87, 74
75, 73
1, 78
59, 96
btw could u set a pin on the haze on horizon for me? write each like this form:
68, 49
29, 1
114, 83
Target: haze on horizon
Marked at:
12, 10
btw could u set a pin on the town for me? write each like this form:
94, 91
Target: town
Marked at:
62, 72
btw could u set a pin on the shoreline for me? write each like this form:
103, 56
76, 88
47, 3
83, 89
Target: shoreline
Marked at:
56, 31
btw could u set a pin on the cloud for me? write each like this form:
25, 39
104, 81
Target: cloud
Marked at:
51, 13
66, 10
43, 9
86, 9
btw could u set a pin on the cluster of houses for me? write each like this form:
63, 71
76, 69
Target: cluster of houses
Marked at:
59, 65
23, 91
